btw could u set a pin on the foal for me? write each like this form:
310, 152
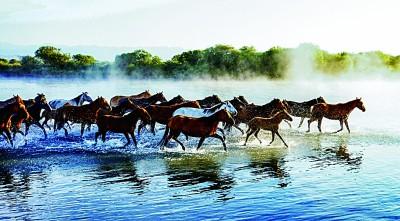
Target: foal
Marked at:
338, 112
271, 124
120, 124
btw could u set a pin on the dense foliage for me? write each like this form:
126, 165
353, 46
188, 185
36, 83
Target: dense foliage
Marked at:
215, 62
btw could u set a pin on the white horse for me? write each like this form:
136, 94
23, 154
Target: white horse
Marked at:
77, 101
205, 112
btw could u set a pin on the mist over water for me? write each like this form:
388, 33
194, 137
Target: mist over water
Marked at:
320, 176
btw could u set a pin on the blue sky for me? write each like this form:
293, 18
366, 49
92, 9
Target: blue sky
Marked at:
340, 25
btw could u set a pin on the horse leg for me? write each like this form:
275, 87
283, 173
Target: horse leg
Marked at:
341, 126
222, 131
127, 138
249, 132
153, 126
82, 129
200, 142
240, 129
319, 124
41, 127
312, 119
347, 125
222, 139
288, 123
301, 122
8, 133
277, 133
180, 143
133, 138
96, 135
89, 127
256, 135
69, 125
103, 136
65, 131
273, 137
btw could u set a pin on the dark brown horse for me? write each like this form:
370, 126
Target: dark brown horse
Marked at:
338, 112
196, 127
144, 102
239, 106
7, 112
161, 114
16, 121
115, 100
176, 100
123, 108
303, 109
120, 124
40, 103
209, 101
271, 124
85, 114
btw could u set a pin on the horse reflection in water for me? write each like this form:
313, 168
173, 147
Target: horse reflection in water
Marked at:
199, 174
337, 154
266, 164
114, 169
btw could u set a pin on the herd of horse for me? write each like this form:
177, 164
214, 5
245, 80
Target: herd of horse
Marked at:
201, 118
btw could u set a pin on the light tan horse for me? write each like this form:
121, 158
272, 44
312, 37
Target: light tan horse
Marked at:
338, 112
271, 124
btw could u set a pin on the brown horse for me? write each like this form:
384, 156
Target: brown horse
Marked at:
338, 112
271, 124
239, 103
7, 112
196, 127
85, 114
209, 101
115, 100
120, 124
176, 100
16, 121
123, 108
161, 114
144, 102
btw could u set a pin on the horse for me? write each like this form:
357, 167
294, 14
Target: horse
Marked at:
16, 121
6, 114
239, 104
202, 127
271, 124
176, 100
303, 109
115, 100
34, 111
120, 124
56, 104
161, 114
209, 101
85, 114
34, 107
340, 112
144, 102
77, 101
251, 110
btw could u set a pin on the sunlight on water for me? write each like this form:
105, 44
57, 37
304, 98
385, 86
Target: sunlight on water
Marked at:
320, 176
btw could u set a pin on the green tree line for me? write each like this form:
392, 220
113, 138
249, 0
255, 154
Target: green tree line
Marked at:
215, 62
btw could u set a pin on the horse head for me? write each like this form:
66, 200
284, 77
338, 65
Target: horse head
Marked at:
101, 102
230, 108
41, 101
160, 97
85, 97
320, 99
242, 99
224, 116
360, 104
285, 115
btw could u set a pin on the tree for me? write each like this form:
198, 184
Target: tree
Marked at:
139, 61
30, 63
53, 57
81, 61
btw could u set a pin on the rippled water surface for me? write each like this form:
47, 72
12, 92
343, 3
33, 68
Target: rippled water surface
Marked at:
320, 176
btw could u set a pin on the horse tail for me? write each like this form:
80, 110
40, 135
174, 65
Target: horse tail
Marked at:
163, 140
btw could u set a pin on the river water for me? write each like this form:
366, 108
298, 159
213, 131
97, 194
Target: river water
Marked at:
320, 176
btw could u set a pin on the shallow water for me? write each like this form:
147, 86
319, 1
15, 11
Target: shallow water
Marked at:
320, 176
